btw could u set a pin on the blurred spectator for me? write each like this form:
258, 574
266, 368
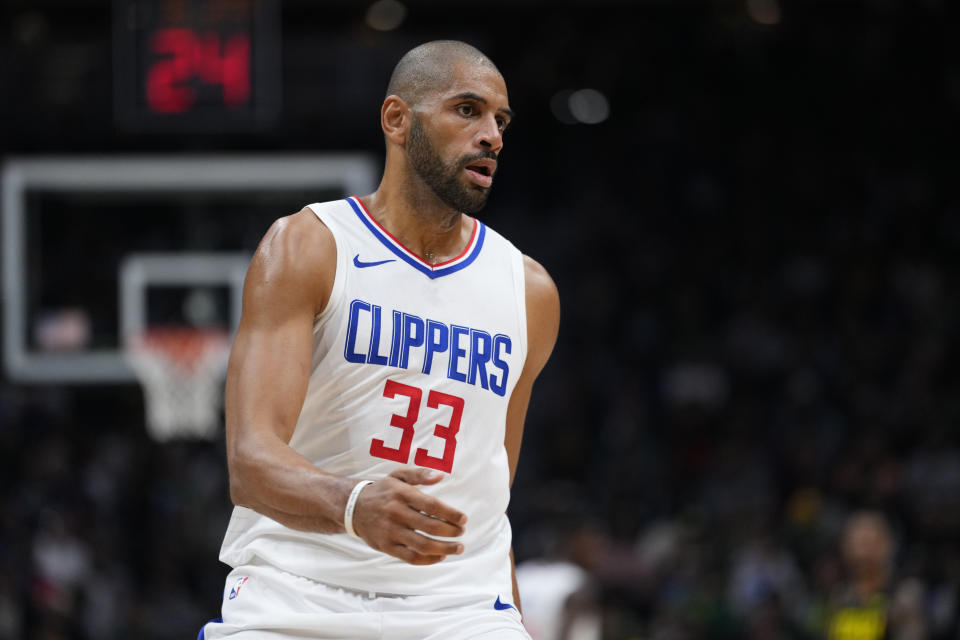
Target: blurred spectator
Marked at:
767, 590
558, 595
868, 605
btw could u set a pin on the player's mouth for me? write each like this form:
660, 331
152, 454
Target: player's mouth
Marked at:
481, 172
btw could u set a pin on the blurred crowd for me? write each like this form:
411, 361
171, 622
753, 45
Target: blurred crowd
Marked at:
760, 444
105, 534
751, 420
768, 454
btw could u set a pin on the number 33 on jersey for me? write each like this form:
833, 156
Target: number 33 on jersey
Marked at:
413, 363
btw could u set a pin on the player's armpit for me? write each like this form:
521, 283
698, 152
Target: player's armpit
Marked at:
288, 283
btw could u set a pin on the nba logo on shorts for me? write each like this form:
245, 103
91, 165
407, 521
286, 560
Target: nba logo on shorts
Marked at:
236, 588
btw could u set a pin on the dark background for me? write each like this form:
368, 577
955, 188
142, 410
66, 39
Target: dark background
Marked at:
757, 260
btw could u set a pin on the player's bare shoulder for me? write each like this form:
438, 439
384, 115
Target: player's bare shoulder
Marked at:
543, 312
296, 257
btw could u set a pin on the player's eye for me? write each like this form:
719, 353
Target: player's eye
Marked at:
502, 124
466, 109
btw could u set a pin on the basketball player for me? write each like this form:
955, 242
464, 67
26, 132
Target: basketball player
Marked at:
378, 386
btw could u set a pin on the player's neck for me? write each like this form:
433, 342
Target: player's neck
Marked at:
421, 222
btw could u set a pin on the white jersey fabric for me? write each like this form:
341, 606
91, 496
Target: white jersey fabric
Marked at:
413, 365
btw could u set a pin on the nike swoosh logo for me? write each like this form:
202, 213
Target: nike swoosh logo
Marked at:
360, 264
500, 606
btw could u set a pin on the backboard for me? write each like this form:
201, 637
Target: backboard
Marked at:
73, 225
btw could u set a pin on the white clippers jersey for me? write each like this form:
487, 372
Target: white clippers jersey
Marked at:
413, 365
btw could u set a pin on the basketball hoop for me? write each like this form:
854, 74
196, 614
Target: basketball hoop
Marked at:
181, 370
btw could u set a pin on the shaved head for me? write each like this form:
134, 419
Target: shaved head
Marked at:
429, 67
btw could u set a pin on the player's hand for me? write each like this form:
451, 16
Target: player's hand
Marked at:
391, 513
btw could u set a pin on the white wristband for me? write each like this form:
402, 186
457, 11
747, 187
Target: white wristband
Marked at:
351, 505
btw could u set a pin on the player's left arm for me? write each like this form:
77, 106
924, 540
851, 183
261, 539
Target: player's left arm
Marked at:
543, 323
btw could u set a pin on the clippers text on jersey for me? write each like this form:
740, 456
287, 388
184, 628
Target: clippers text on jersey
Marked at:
473, 356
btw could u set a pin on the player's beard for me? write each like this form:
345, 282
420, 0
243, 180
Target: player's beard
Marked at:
444, 180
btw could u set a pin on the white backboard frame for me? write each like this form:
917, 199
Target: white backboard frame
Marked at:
351, 173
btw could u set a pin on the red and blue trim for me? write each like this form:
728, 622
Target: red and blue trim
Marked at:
447, 267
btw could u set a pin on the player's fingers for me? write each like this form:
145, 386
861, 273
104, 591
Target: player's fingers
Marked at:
400, 513
417, 476
436, 508
410, 556
433, 526
428, 546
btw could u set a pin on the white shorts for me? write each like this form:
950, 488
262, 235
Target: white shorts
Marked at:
268, 604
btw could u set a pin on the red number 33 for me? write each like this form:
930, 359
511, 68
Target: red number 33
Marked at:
447, 432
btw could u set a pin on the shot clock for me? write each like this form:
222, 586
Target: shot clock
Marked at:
196, 65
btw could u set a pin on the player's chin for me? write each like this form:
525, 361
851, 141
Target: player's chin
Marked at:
477, 198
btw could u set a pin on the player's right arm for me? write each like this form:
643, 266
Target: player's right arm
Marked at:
289, 282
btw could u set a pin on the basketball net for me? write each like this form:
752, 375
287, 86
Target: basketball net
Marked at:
181, 371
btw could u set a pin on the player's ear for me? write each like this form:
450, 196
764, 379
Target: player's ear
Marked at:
395, 119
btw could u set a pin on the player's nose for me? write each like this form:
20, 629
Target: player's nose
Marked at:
490, 136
